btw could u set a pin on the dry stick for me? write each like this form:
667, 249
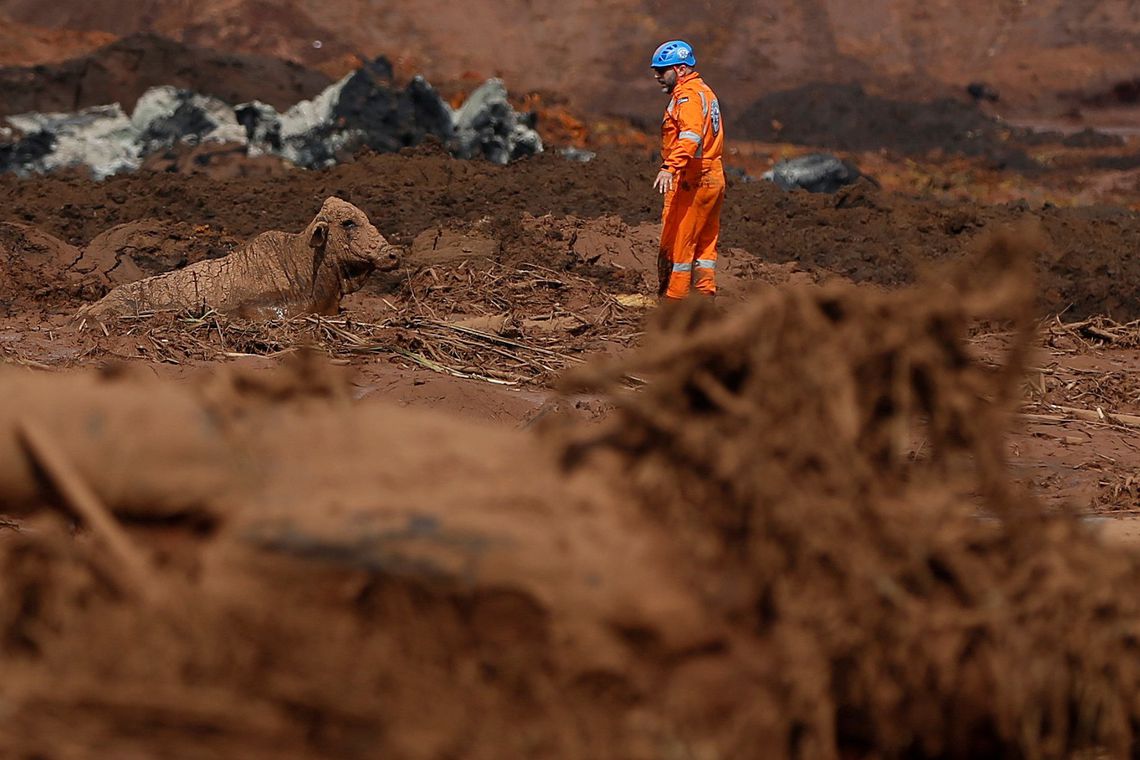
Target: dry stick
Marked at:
344, 334
502, 352
493, 338
423, 361
133, 570
1099, 415
1072, 414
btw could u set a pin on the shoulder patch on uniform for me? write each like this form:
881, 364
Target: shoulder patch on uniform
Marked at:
682, 100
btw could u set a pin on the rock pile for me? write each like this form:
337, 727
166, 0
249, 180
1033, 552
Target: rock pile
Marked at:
363, 110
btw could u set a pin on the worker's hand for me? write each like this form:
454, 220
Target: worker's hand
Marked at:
664, 182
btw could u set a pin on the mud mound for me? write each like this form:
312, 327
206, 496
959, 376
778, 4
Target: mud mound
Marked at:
779, 440
34, 268
218, 161
1091, 138
131, 251
403, 194
431, 547
125, 69
889, 239
844, 117
23, 45
42, 273
1124, 92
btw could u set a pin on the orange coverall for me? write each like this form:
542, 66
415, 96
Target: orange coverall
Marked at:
692, 143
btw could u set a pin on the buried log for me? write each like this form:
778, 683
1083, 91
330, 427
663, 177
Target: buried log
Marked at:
274, 275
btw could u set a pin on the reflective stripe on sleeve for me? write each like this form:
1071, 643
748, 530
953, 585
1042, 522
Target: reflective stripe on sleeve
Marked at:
682, 267
691, 136
704, 104
706, 263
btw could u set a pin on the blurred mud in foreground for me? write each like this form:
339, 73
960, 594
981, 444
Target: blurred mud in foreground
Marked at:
799, 534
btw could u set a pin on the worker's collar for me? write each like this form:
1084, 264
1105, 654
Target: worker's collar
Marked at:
687, 77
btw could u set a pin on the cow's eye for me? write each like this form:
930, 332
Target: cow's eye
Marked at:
348, 224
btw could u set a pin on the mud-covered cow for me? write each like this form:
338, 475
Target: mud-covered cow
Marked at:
275, 274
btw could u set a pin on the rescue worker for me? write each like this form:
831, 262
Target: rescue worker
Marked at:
691, 176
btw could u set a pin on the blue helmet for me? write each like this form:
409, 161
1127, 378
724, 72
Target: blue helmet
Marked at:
673, 53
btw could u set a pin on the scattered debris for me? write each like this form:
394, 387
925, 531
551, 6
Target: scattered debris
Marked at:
1099, 330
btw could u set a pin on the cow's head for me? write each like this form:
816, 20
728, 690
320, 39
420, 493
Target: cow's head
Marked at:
345, 241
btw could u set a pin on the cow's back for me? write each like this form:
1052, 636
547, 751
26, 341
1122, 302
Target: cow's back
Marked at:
267, 271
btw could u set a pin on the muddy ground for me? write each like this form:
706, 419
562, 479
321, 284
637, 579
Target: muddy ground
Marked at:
501, 490
1090, 266
882, 499
66, 240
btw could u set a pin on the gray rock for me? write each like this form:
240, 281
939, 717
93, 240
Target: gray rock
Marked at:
101, 138
487, 126
362, 109
262, 126
816, 173
164, 116
578, 154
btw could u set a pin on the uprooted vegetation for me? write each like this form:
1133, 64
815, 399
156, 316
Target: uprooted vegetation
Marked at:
798, 535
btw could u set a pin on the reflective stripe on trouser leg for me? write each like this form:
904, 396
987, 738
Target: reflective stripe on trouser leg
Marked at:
704, 275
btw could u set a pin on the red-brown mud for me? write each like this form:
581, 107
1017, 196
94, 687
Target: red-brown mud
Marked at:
125, 69
748, 552
834, 519
1089, 266
778, 439
1042, 57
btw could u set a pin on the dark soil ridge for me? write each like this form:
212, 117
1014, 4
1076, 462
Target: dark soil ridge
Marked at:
845, 117
1091, 266
125, 69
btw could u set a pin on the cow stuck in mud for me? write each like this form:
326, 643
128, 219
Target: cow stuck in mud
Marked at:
274, 275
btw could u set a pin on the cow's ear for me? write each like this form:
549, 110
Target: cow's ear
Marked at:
319, 234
